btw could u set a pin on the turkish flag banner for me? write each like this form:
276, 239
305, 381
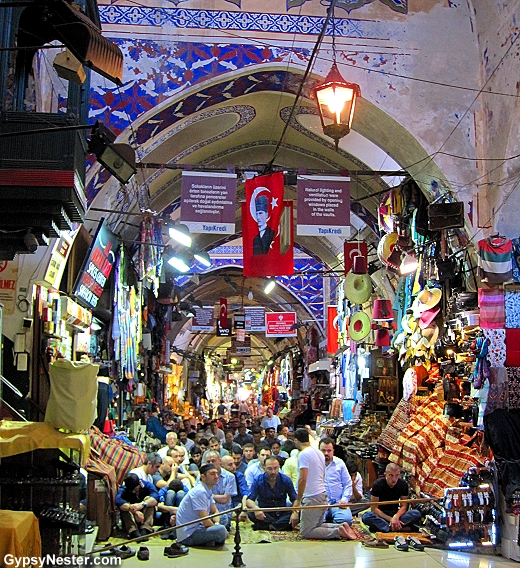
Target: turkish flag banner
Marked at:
332, 329
223, 317
351, 250
267, 228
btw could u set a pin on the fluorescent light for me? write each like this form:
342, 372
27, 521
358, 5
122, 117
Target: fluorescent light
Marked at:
179, 263
409, 264
181, 234
202, 257
269, 287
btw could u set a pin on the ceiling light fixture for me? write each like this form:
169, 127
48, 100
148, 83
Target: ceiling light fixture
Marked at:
336, 98
179, 262
180, 234
269, 287
409, 264
202, 257
250, 293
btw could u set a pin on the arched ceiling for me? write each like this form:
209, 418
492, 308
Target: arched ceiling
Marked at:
237, 124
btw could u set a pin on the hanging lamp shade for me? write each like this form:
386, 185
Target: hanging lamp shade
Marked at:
383, 310
336, 101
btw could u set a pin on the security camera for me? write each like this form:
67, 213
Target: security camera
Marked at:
31, 244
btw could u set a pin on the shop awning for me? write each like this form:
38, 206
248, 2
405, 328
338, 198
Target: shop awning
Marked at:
59, 20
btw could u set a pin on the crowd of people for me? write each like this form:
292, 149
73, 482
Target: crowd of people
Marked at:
210, 468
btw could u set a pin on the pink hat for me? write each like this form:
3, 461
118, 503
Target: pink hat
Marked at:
428, 316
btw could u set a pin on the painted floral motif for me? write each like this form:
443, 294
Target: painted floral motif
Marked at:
496, 347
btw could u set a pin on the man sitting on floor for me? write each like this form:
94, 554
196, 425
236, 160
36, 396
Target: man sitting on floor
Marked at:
271, 489
224, 490
338, 485
136, 501
198, 504
390, 518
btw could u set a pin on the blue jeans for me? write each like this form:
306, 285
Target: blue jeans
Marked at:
207, 536
377, 524
174, 498
338, 516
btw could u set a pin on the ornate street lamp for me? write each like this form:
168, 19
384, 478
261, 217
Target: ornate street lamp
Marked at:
336, 101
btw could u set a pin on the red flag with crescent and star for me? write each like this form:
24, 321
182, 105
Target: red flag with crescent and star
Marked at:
352, 249
332, 329
267, 228
223, 319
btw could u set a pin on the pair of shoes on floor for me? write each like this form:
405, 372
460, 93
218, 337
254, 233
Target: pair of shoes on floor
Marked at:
143, 554
175, 550
415, 543
400, 543
375, 543
120, 551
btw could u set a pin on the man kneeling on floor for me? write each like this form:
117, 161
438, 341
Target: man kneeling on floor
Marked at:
390, 518
271, 489
137, 500
197, 504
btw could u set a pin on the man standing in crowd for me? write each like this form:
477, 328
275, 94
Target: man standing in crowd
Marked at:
136, 500
171, 442
311, 491
224, 490
338, 484
197, 504
270, 420
149, 468
390, 518
271, 489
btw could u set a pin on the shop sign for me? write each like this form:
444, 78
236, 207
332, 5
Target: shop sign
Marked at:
241, 347
323, 206
279, 324
8, 280
97, 267
204, 319
59, 256
255, 319
239, 321
208, 202
224, 331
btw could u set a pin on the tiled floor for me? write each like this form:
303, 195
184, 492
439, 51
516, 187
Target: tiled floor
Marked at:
312, 554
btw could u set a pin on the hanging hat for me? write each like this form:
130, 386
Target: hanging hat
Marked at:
385, 251
428, 316
359, 326
431, 334
382, 337
384, 211
409, 323
399, 339
382, 310
359, 265
429, 297
357, 287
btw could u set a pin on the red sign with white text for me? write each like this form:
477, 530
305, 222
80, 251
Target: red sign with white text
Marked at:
279, 324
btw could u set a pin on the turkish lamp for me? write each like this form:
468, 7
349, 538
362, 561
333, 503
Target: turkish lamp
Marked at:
180, 234
336, 102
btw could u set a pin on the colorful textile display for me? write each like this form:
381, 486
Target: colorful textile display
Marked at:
497, 346
494, 260
512, 347
497, 395
513, 388
491, 302
397, 423
512, 302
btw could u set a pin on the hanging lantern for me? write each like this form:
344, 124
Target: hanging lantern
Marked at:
336, 101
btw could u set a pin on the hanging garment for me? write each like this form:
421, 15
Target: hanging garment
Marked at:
512, 303
496, 347
513, 388
491, 302
512, 347
482, 370
497, 395
495, 260
516, 259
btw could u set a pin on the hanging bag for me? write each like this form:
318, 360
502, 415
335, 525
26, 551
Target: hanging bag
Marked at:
443, 216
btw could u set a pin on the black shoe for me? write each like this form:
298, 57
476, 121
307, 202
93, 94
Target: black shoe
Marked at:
145, 533
143, 554
175, 550
134, 534
123, 552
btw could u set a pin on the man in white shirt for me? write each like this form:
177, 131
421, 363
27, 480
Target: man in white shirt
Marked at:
171, 442
338, 484
185, 441
357, 489
270, 420
215, 431
149, 468
311, 491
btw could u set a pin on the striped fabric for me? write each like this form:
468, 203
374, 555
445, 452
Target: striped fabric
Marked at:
491, 302
495, 260
95, 465
116, 453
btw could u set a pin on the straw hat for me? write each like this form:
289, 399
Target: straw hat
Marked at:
385, 249
429, 297
359, 326
431, 334
428, 316
357, 287
409, 323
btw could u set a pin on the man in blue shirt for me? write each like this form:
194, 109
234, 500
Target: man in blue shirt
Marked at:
224, 490
136, 500
271, 489
338, 484
257, 467
197, 504
270, 420
228, 463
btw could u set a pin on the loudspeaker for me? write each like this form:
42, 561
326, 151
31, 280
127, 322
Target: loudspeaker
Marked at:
69, 68
27, 323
